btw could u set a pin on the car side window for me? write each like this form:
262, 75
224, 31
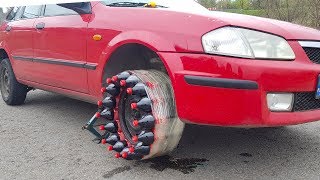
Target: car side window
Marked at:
12, 14
56, 10
19, 13
31, 12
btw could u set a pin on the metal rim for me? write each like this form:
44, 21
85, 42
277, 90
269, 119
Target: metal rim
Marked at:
127, 116
5, 82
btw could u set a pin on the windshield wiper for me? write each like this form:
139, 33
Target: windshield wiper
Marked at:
132, 4
127, 4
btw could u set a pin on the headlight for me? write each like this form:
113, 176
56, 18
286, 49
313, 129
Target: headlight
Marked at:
239, 42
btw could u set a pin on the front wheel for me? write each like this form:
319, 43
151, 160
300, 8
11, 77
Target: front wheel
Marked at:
13, 93
140, 114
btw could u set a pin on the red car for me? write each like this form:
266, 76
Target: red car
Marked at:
155, 66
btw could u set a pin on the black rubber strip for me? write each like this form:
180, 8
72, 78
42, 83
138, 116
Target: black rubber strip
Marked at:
57, 62
22, 58
91, 67
221, 82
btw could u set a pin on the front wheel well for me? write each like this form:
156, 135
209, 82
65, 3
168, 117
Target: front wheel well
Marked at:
132, 57
3, 54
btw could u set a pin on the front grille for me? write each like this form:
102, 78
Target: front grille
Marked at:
313, 54
306, 101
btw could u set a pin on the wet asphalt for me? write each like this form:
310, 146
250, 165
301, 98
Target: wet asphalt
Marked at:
43, 139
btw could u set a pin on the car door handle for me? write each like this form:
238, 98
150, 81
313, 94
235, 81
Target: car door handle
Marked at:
40, 26
8, 28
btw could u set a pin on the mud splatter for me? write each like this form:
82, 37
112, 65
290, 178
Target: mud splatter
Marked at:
185, 165
116, 171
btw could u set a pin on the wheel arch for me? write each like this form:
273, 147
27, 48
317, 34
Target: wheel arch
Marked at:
119, 51
152, 40
3, 54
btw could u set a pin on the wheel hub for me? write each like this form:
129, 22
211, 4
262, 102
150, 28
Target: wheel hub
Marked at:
127, 115
5, 82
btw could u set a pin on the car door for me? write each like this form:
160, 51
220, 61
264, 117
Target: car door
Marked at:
60, 49
20, 41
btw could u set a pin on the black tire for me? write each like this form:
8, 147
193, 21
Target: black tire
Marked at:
13, 93
163, 130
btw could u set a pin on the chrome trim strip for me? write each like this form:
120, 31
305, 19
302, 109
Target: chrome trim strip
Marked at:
310, 44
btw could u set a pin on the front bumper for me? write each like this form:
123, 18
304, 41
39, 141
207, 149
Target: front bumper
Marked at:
226, 91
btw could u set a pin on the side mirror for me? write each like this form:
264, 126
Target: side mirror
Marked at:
81, 7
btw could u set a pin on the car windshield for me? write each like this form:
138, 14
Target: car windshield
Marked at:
180, 5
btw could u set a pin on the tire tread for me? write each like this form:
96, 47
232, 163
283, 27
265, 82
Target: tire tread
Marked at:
18, 91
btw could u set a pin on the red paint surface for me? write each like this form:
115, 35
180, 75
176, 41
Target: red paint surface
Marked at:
176, 37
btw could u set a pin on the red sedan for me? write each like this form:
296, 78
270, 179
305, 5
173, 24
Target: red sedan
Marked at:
155, 66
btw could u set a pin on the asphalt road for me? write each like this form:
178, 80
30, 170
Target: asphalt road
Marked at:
43, 140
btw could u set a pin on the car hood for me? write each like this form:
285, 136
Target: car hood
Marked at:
183, 30
287, 30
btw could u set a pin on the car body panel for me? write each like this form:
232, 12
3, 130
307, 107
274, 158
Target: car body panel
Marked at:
20, 43
176, 38
64, 38
284, 29
240, 107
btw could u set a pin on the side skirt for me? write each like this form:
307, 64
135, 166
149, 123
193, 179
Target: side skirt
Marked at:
72, 94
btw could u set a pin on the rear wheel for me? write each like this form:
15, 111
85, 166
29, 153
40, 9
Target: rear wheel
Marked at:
13, 93
145, 122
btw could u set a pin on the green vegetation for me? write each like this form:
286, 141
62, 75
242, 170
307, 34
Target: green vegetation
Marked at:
251, 12
305, 12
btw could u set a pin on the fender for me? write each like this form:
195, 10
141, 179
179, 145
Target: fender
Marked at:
3, 46
3, 34
149, 39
